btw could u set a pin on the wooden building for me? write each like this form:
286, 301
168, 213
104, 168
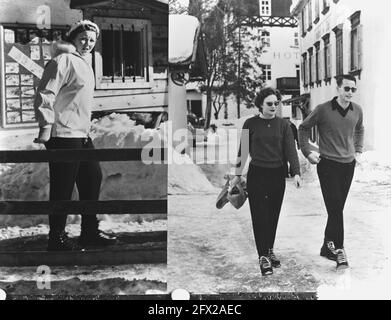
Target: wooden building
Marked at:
130, 59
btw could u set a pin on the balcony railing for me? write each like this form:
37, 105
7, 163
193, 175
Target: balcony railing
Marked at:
288, 84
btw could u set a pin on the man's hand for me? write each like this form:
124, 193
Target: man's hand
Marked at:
313, 157
358, 157
297, 181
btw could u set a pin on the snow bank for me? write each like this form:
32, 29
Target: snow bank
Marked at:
374, 168
132, 180
187, 178
74, 229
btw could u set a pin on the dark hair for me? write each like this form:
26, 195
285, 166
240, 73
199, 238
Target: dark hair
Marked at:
345, 76
263, 94
84, 27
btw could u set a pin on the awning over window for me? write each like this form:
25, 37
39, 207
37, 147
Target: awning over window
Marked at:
94, 3
300, 99
86, 3
302, 102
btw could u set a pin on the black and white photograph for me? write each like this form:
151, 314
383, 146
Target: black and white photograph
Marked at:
194, 149
83, 90
289, 162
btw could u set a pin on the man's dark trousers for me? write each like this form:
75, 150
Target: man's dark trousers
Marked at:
335, 181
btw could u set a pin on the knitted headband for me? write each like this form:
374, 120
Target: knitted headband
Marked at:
80, 23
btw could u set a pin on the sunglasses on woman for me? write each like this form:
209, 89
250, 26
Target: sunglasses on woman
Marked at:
270, 104
347, 89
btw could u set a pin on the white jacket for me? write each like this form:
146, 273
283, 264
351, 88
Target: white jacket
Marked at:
65, 96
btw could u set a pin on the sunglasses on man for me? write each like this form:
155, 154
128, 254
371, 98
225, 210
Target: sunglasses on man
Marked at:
270, 104
347, 89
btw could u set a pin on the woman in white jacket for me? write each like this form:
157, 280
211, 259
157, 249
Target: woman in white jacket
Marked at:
63, 109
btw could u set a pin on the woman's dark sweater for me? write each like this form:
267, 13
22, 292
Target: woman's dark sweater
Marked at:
270, 144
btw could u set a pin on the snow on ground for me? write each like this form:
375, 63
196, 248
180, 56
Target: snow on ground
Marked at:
187, 178
213, 250
74, 229
121, 181
124, 180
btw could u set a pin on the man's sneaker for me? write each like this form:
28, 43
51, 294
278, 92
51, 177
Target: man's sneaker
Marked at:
97, 238
328, 250
342, 260
273, 259
265, 265
59, 241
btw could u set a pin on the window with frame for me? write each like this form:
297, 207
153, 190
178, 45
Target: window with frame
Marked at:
326, 6
123, 55
296, 42
265, 38
339, 49
266, 72
327, 57
26, 50
356, 43
265, 8
309, 12
317, 11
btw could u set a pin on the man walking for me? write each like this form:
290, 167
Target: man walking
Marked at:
341, 135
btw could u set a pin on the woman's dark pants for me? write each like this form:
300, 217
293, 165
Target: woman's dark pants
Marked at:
64, 175
266, 188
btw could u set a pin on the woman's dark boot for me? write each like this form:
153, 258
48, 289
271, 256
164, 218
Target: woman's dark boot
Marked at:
59, 241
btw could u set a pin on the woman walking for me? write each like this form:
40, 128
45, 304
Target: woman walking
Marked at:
269, 141
63, 110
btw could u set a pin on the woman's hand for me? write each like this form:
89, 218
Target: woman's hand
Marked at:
297, 181
43, 135
40, 140
234, 182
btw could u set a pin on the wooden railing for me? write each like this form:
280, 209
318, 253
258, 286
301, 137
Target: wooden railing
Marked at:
148, 247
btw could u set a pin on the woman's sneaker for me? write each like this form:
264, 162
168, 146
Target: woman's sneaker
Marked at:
273, 259
342, 260
265, 265
328, 250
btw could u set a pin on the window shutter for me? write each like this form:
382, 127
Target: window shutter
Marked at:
321, 63
359, 46
313, 69
328, 60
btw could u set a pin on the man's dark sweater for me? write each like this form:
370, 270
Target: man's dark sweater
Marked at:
271, 143
341, 133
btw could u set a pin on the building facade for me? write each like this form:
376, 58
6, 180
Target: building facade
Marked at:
279, 60
345, 37
130, 59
